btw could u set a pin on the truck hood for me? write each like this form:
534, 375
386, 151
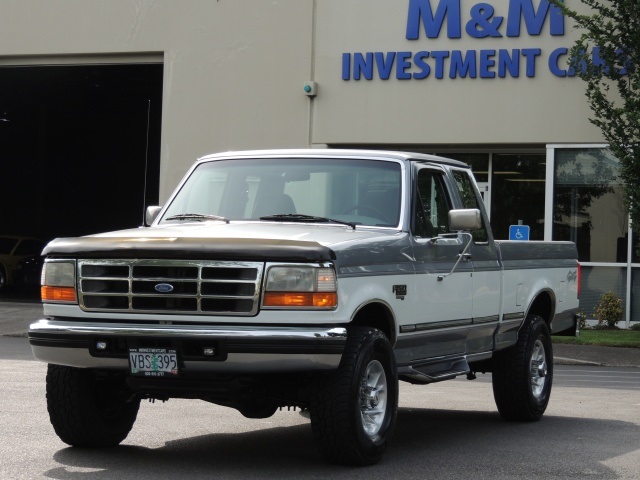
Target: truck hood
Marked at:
241, 240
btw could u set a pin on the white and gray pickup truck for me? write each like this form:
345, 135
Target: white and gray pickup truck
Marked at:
315, 279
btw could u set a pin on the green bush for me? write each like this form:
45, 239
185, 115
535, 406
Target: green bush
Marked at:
636, 327
609, 310
582, 320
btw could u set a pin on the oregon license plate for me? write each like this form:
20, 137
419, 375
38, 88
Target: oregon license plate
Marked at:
153, 362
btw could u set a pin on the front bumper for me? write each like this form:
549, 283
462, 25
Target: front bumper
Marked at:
239, 350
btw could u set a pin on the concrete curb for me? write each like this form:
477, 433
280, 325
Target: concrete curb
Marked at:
574, 361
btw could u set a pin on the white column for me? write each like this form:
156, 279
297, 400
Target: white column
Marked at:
548, 193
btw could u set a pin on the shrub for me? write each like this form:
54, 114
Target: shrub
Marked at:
636, 326
582, 320
609, 309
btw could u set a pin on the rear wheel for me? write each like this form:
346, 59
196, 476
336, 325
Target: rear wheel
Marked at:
86, 410
354, 413
523, 374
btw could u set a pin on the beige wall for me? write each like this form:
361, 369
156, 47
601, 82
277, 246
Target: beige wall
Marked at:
234, 71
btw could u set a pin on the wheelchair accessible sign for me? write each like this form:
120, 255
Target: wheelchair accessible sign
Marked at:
519, 232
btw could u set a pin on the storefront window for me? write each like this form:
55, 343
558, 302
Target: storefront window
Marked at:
516, 189
635, 294
598, 280
588, 204
517, 182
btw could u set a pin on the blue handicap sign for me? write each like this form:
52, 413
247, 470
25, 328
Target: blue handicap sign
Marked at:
519, 232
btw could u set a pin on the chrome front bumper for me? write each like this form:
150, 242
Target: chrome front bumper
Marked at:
241, 350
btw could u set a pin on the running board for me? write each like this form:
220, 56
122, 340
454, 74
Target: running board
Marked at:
434, 370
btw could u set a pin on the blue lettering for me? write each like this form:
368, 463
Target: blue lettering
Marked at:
509, 63
524, 9
419, 60
363, 66
385, 65
483, 23
624, 60
403, 65
580, 61
346, 66
553, 62
487, 62
439, 57
421, 10
598, 62
530, 54
463, 67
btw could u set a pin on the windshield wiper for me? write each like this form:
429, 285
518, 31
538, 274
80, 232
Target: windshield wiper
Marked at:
298, 217
197, 216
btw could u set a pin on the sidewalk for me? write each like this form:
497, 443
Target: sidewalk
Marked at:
15, 318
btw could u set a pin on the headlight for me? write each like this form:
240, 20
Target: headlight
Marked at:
300, 286
58, 282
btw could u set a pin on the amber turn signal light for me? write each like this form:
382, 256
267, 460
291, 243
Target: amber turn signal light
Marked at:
300, 299
58, 294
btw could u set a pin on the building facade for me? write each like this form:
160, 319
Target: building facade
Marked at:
486, 82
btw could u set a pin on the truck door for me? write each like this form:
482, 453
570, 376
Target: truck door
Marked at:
486, 271
443, 307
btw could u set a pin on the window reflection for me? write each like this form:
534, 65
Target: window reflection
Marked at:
588, 204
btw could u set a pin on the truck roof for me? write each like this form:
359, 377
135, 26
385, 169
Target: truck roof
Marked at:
333, 153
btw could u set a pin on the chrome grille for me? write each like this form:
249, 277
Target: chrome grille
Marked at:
170, 286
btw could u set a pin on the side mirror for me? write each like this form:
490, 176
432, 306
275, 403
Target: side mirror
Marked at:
151, 214
467, 219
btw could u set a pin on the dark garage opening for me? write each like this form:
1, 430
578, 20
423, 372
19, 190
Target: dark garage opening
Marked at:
78, 144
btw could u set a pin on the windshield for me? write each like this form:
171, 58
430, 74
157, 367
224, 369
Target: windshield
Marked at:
364, 192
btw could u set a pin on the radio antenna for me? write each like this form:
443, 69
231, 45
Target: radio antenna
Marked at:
146, 163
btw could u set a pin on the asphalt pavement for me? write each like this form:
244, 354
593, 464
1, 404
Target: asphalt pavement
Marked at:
17, 314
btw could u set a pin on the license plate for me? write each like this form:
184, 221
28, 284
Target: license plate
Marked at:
153, 362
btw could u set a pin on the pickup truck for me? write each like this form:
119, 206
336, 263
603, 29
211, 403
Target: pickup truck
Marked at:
313, 279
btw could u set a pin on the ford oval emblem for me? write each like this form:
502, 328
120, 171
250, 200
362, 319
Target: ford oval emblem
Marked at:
164, 288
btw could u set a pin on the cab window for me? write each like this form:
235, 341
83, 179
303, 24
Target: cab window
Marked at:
431, 205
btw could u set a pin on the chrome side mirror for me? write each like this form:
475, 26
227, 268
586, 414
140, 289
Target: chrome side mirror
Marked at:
151, 214
465, 219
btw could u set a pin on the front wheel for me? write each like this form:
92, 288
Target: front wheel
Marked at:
523, 374
354, 413
89, 411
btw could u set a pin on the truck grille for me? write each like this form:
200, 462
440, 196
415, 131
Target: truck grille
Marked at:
172, 286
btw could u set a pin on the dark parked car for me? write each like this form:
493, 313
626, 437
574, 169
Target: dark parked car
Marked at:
12, 250
27, 273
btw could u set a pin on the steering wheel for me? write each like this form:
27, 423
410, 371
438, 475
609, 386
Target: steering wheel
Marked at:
376, 213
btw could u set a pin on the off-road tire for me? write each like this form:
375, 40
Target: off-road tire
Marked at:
523, 374
362, 395
87, 411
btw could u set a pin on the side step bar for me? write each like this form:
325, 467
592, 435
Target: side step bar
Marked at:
439, 369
